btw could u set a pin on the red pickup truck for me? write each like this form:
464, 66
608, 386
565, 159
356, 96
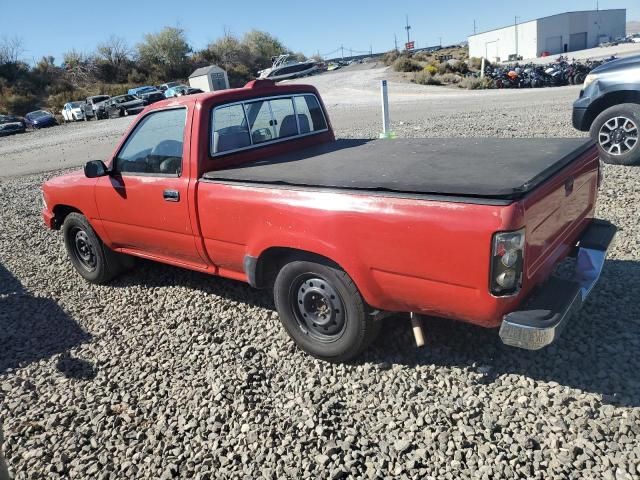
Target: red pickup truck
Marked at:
250, 184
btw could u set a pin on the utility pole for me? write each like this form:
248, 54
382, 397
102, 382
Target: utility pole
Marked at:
370, 49
407, 28
440, 41
515, 25
474, 26
395, 41
342, 51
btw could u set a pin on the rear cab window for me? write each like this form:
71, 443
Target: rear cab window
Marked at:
256, 122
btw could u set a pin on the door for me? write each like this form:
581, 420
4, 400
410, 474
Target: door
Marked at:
554, 44
578, 41
143, 202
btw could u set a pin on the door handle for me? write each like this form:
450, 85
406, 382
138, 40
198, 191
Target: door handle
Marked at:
171, 195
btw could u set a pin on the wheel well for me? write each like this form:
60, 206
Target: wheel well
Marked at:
609, 100
60, 212
263, 270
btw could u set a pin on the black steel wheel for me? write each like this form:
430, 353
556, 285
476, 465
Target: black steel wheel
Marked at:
93, 260
322, 310
84, 250
318, 308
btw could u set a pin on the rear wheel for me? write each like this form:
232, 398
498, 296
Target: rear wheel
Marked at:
93, 260
616, 131
322, 310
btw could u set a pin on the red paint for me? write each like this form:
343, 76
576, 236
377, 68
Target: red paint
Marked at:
425, 256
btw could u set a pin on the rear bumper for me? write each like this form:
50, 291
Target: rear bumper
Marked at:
549, 309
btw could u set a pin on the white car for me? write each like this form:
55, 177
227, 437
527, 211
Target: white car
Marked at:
72, 112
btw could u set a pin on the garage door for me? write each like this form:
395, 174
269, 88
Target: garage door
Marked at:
553, 44
578, 41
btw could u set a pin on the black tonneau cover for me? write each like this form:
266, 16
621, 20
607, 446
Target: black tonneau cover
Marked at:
477, 167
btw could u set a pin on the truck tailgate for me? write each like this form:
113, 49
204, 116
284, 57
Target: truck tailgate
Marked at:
557, 212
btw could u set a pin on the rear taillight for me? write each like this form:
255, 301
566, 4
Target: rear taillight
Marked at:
507, 262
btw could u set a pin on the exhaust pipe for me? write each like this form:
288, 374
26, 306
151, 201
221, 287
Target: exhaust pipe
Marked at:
416, 325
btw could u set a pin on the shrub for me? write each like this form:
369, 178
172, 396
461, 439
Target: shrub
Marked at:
422, 57
449, 78
475, 83
390, 57
405, 64
424, 78
18, 104
431, 69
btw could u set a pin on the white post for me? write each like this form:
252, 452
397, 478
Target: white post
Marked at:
482, 68
386, 132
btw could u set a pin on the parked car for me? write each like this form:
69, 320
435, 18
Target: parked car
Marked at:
73, 111
173, 91
120, 106
10, 124
40, 119
250, 184
188, 91
181, 90
165, 86
92, 104
609, 108
151, 97
140, 90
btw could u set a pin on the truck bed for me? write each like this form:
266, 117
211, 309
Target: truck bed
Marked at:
475, 167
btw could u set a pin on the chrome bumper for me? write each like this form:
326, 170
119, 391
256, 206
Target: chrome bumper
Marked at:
549, 309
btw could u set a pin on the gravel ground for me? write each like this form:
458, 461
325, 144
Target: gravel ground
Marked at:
167, 373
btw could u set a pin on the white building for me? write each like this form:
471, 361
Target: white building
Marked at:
565, 32
209, 79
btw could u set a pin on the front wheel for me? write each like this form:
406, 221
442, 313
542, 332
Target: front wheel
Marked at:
616, 132
322, 310
91, 258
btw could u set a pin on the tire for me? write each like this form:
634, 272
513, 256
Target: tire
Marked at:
91, 258
616, 131
316, 289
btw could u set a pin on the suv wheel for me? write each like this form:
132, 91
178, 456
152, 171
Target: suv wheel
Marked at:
616, 131
322, 310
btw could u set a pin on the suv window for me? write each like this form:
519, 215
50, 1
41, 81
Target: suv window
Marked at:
243, 125
155, 146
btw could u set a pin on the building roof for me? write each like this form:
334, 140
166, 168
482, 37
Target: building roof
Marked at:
549, 16
206, 70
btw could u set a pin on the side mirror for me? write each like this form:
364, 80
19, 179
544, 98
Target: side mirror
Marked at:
95, 168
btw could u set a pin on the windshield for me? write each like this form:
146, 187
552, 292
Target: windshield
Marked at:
39, 113
125, 98
75, 104
101, 98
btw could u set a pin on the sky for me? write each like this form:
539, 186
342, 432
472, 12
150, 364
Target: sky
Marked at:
54, 27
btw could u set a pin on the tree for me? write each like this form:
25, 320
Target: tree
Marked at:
114, 51
262, 46
227, 50
11, 49
79, 67
166, 50
113, 59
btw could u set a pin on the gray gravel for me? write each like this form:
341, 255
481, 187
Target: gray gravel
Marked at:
167, 373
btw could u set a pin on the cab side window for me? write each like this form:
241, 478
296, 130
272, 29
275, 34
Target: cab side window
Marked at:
155, 146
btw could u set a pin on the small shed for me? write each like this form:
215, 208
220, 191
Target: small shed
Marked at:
209, 79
